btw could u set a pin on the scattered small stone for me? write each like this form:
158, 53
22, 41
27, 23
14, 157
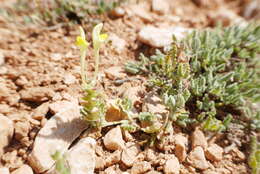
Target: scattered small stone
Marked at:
37, 94
214, 152
118, 12
133, 93
172, 165
153, 104
58, 106
141, 167
110, 170
40, 112
56, 56
117, 43
57, 135
140, 11
160, 37
25, 169
81, 157
100, 163
210, 172
115, 72
199, 139
113, 140
113, 158
4, 170
197, 158
2, 59
113, 112
6, 132
160, 6
180, 147
237, 155
153, 172
22, 129
129, 154
69, 79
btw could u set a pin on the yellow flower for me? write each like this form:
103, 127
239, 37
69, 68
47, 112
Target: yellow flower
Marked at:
97, 37
81, 40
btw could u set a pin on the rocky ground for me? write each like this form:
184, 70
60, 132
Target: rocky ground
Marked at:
39, 92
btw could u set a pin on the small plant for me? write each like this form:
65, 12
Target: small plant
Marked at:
254, 158
93, 105
60, 165
208, 77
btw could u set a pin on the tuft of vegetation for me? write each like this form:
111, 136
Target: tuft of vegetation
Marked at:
254, 158
210, 77
52, 12
60, 165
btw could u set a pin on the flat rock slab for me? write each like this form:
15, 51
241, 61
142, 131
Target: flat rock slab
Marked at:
81, 157
160, 37
57, 135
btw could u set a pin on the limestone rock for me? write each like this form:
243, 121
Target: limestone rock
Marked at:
25, 169
2, 59
57, 135
115, 72
58, 106
133, 93
214, 152
141, 167
140, 11
118, 12
129, 154
6, 132
172, 166
69, 79
22, 129
160, 6
117, 43
113, 112
40, 112
153, 104
160, 37
37, 94
199, 139
197, 158
180, 147
113, 140
81, 157
4, 170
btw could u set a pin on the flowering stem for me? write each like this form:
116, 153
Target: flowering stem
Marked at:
96, 52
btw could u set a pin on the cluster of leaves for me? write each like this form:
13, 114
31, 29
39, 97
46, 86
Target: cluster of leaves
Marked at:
254, 158
60, 165
209, 77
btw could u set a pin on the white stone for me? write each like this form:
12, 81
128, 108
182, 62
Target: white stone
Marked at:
117, 43
81, 157
160, 6
113, 140
115, 72
197, 158
199, 139
2, 58
214, 152
172, 166
160, 37
69, 79
6, 132
129, 154
4, 170
24, 169
56, 56
56, 135
180, 147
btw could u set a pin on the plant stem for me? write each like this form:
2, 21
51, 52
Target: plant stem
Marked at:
96, 52
83, 67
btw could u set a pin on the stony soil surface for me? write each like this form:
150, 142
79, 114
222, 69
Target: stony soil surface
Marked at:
39, 92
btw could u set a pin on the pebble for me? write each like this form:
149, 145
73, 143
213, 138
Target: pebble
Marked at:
115, 72
117, 43
25, 169
37, 94
160, 37
214, 152
199, 139
40, 112
129, 154
160, 6
172, 166
2, 59
180, 147
4, 170
69, 79
197, 158
113, 140
81, 157
118, 12
6, 132
141, 167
